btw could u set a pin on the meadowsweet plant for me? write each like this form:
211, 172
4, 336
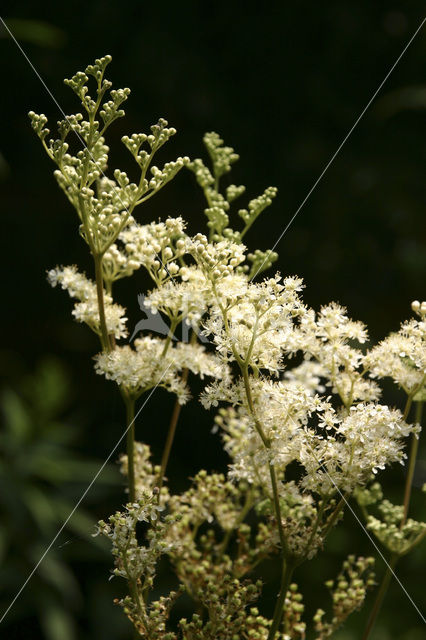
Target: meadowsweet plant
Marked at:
295, 394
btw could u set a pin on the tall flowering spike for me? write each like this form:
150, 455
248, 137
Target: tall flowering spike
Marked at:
219, 204
298, 407
104, 205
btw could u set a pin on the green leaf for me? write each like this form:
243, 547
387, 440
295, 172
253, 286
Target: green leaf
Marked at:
57, 623
16, 416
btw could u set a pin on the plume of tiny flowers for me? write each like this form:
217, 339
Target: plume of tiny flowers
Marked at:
247, 321
87, 309
353, 446
155, 362
329, 338
402, 355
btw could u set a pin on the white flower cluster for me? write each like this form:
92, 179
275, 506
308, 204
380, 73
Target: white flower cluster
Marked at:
336, 451
153, 363
87, 310
248, 322
402, 355
352, 447
329, 337
181, 300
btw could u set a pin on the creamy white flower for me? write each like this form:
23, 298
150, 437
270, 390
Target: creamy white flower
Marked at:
402, 356
154, 362
157, 246
351, 447
328, 337
87, 310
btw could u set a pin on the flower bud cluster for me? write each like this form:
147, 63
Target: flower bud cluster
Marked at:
106, 210
260, 261
419, 308
348, 593
256, 206
226, 599
396, 534
217, 260
158, 246
146, 473
132, 559
293, 626
217, 212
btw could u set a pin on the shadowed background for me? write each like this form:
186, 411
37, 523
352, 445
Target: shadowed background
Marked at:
283, 85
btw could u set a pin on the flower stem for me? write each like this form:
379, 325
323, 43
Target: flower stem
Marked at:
129, 401
288, 565
380, 596
333, 517
170, 436
101, 305
411, 464
175, 414
288, 568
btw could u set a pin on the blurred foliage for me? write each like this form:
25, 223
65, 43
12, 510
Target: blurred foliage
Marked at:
41, 479
36, 32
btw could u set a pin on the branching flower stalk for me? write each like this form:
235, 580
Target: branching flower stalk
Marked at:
322, 416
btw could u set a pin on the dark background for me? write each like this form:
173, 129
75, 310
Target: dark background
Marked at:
282, 83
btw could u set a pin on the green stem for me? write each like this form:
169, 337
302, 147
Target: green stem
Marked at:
315, 527
129, 401
411, 464
259, 429
169, 338
105, 340
277, 508
267, 444
175, 414
333, 517
288, 568
380, 596
170, 436
244, 511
